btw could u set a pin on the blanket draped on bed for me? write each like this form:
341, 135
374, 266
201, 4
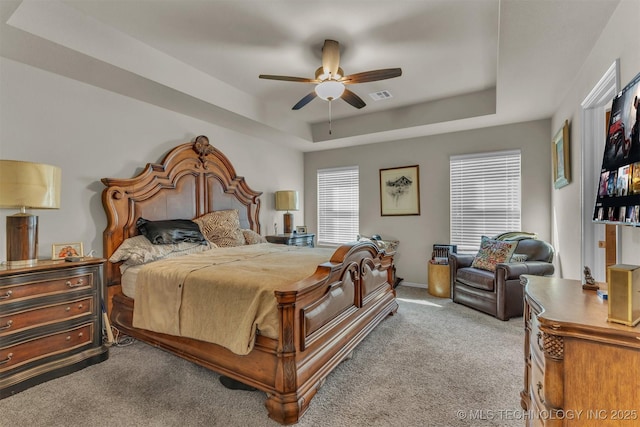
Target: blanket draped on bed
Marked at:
223, 295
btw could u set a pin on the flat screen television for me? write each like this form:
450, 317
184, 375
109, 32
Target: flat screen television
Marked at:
618, 194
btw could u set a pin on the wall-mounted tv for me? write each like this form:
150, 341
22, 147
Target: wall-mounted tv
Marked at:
618, 195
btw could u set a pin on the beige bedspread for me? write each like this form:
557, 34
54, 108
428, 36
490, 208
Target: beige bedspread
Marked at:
223, 295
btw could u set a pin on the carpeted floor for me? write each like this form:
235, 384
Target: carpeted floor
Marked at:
434, 363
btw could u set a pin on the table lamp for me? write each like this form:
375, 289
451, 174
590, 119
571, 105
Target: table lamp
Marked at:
26, 185
287, 200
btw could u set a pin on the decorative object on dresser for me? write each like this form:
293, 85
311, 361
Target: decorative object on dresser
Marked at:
287, 200
575, 361
65, 250
589, 282
317, 321
490, 281
624, 294
26, 185
293, 239
301, 229
50, 321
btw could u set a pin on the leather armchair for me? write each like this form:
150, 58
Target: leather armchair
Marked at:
499, 293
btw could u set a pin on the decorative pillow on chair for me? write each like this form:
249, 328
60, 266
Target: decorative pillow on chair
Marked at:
252, 238
221, 228
493, 252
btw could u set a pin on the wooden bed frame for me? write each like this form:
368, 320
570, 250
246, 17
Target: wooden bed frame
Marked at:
322, 318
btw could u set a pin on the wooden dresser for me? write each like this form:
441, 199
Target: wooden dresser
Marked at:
579, 368
50, 321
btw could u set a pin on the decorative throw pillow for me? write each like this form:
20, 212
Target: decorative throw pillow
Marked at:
252, 238
493, 252
139, 250
170, 231
221, 228
518, 258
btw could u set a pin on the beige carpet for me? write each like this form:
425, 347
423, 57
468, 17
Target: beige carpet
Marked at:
434, 363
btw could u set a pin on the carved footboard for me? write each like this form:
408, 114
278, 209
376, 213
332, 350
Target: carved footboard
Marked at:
323, 318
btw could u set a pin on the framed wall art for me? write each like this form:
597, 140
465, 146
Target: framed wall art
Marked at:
400, 191
561, 157
63, 250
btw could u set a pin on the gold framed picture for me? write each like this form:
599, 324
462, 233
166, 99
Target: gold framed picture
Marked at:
400, 191
63, 250
301, 229
561, 157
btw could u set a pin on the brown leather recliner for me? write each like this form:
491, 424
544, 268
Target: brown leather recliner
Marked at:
499, 293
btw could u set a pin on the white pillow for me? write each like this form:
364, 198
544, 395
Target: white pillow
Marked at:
139, 250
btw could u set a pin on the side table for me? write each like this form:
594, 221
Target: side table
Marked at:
438, 280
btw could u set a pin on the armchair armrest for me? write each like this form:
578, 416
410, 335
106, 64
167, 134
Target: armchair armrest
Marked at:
514, 270
457, 261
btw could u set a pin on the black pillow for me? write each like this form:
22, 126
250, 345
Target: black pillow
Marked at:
170, 231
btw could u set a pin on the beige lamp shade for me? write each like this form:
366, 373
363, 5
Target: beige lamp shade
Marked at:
29, 185
287, 200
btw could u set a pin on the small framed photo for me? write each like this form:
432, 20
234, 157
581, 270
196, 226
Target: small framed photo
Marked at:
63, 250
301, 229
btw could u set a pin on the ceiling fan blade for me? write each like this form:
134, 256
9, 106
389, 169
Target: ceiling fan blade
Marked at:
330, 57
353, 99
304, 101
287, 78
372, 76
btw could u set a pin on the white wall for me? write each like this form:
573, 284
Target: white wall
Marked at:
92, 133
620, 39
417, 234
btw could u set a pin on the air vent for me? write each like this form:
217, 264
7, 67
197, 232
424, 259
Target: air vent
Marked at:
383, 94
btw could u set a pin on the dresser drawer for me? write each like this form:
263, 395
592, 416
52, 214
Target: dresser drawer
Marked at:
33, 318
50, 345
36, 288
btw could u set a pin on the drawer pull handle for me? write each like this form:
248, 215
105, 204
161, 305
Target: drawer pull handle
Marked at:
67, 309
80, 306
7, 360
540, 345
68, 338
7, 325
72, 285
6, 295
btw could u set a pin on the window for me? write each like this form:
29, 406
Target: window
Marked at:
338, 205
485, 196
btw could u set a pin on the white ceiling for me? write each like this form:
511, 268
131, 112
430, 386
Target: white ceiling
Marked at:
465, 63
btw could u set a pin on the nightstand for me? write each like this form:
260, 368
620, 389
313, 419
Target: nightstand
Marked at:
293, 239
50, 321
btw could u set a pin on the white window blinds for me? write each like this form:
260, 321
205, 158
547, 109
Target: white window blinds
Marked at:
338, 205
485, 197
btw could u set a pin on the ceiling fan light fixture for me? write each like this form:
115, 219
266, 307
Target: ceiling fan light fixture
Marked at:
329, 90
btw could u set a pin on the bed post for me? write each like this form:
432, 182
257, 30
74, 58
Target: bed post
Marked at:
283, 406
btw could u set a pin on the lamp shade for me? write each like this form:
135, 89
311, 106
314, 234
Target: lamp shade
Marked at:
287, 200
29, 185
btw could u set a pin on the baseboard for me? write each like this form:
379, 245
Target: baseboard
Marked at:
413, 285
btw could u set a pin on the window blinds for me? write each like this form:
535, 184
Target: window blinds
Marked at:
338, 205
485, 196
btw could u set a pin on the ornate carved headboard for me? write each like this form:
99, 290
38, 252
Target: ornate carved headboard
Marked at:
193, 179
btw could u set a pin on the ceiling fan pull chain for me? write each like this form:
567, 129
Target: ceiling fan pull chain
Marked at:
329, 117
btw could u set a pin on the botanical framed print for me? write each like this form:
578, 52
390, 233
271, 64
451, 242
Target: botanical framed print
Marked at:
63, 250
561, 157
400, 191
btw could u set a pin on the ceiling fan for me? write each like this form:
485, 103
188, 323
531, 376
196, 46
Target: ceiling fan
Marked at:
330, 79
